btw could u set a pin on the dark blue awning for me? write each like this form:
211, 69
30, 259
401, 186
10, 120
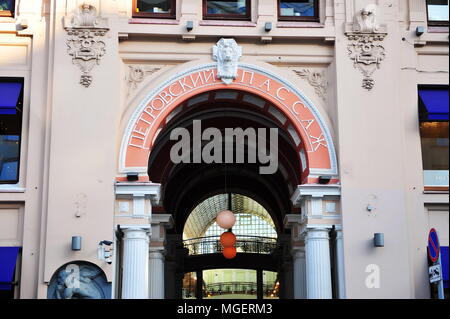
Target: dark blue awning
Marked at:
8, 258
444, 262
9, 96
433, 104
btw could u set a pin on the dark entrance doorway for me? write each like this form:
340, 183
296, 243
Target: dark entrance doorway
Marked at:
188, 186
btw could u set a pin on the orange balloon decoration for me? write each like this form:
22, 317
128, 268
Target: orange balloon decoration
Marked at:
229, 252
228, 239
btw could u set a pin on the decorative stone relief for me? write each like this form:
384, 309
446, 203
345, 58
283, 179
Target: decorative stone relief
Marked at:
365, 49
84, 43
227, 53
136, 75
316, 79
366, 20
79, 280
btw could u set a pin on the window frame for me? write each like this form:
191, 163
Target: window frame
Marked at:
155, 15
246, 17
21, 101
428, 188
435, 23
315, 18
9, 13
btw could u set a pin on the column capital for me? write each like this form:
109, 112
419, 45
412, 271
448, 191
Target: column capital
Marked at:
298, 252
339, 232
317, 233
165, 220
295, 222
156, 254
292, 220
144, 227
160, 223
312, 228
314, 190
135, 231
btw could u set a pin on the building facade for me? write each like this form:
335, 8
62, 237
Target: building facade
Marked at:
92, 204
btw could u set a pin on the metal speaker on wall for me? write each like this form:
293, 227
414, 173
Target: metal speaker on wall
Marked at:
76, 242
420, 30
189, 25
378, 240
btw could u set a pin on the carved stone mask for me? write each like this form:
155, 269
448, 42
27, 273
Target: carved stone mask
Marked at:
227, 53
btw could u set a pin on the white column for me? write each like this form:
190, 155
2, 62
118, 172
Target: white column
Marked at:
299, 273
156, 274
318, 268
340, 264
135, 263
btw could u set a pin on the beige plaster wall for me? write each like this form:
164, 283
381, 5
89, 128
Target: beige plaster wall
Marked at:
72, 135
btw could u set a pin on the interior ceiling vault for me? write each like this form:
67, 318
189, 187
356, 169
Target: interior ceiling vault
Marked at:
204, 214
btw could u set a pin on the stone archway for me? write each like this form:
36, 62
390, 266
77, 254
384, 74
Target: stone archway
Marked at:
153, 113
296, 116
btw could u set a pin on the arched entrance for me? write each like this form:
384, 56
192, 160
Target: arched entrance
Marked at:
190, 104
282, 100
186, 186
253, 273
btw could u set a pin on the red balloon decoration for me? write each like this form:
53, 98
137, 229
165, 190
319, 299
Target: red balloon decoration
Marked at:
229, 252
228, 239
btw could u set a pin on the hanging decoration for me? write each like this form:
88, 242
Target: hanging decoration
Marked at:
228, 239
226, 219
229, 252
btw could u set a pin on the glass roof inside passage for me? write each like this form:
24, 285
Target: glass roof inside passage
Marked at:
203, 216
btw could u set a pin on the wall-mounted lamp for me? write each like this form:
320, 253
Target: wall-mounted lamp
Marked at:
378, 240
324, 179
268, 26
420, 30
76, 242
132, 177
189, 25
103, 254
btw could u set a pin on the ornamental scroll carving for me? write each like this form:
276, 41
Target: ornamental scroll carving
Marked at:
136, 75
316, 79
227, 53
85, 30
365, 47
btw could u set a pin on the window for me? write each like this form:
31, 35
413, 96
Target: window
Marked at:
300, 10
229, 9
437, 11
154, 8
11, 96
7, 8
433, 112
9, 272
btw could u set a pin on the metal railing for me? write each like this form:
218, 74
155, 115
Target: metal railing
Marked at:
244, 244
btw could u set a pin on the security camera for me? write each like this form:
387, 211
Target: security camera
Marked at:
103, 254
